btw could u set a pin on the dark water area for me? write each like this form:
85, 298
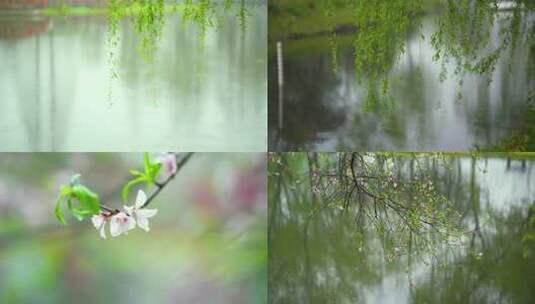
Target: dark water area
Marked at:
325, 259
197, 95
406, 98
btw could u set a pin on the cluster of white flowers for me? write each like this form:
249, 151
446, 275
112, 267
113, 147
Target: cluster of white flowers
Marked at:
126, 220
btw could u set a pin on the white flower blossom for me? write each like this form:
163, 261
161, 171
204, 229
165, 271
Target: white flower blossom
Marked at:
99, 221
168, 161
121, 223
126, 220
141, 215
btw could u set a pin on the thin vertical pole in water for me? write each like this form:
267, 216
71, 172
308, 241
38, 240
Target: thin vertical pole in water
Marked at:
52, 109
280, 74
35, 128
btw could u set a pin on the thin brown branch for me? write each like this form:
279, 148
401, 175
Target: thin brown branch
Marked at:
159, 185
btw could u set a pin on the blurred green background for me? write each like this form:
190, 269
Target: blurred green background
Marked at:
207, 243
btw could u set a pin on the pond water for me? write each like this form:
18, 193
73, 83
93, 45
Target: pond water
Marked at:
321, 259
325, 107
55, 86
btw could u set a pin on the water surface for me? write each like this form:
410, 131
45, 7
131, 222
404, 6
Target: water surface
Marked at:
321, 259
197, 96
428, 104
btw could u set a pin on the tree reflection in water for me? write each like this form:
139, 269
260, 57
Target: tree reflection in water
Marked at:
331, 244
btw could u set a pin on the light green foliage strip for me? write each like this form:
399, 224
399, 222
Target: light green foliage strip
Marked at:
114, 15
201, 14
149, 25
149, 21
380, 40
242, 16
465, 36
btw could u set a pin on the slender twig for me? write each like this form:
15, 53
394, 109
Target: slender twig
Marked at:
109, 209
159, 185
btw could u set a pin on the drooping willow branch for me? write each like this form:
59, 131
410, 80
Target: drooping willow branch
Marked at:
159, 185
149, 20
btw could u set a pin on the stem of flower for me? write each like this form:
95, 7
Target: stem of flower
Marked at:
109, 209
159, 186
181, 161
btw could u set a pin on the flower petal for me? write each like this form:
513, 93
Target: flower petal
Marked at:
146, 213
114, 226
130, 224
128, 209
140, 199
168, 162
97, 220
102, 231
171, 163
143, 223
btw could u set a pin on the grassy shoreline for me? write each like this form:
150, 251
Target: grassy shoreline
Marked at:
306, 17
523, 140
133, 9
512, 155
286, 19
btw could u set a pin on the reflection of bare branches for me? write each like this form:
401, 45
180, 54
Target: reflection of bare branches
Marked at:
406, 209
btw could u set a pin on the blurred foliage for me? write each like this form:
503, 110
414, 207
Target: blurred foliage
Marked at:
199, 250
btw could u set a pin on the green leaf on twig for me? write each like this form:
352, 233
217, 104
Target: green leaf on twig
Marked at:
130, 184
88, 201
151, 170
